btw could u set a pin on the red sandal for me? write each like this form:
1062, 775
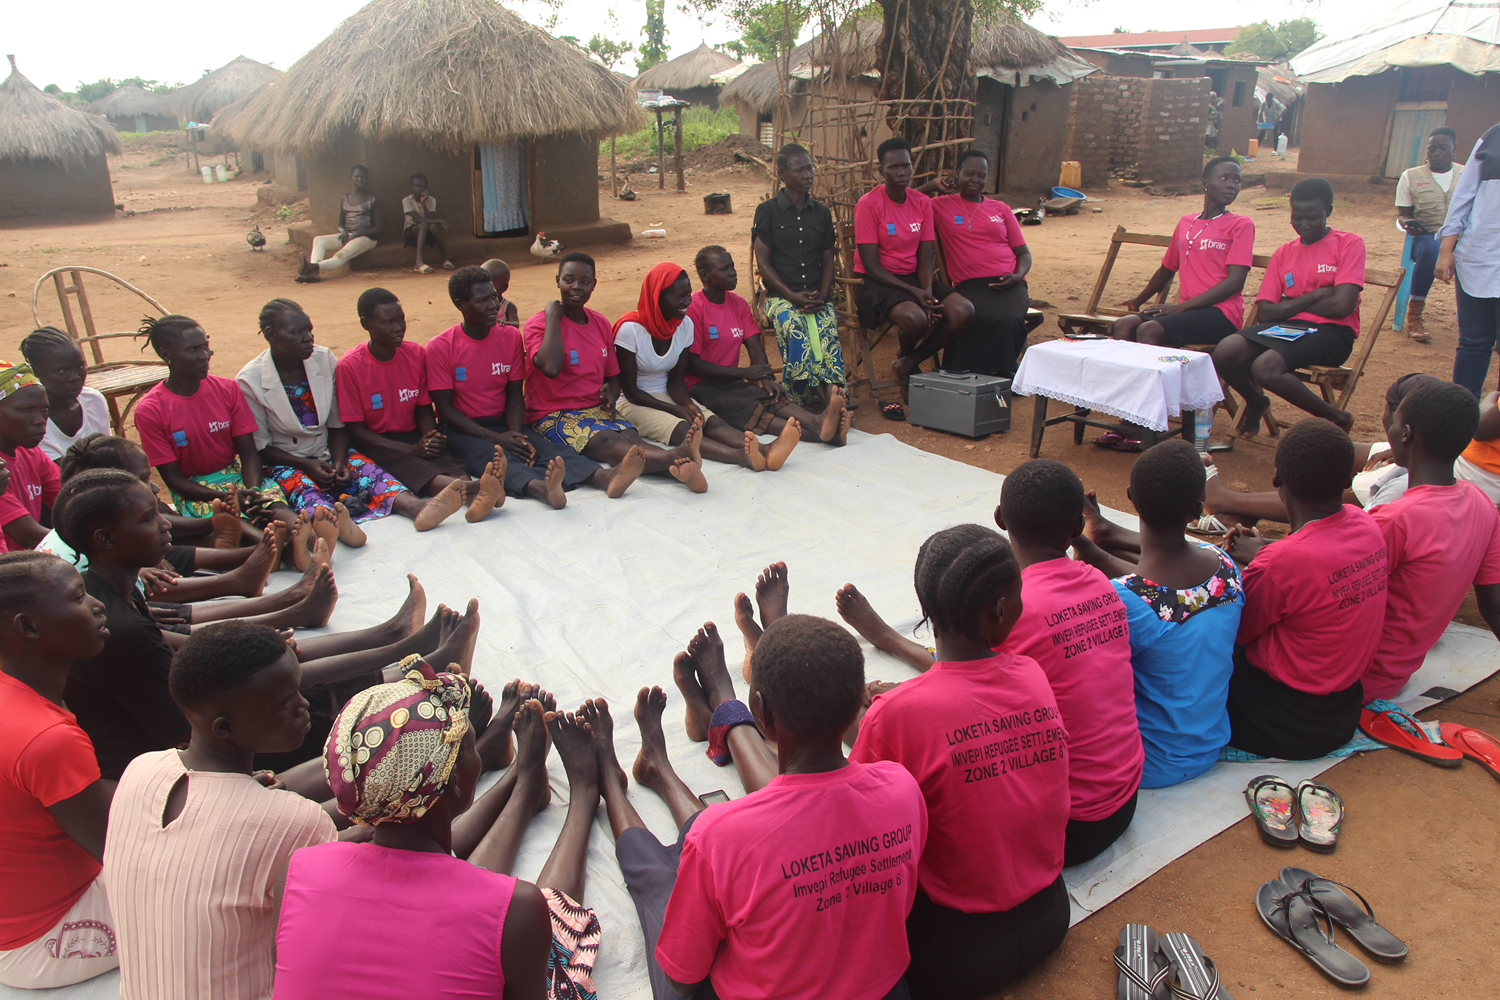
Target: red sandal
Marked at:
1475, 744
1398, 732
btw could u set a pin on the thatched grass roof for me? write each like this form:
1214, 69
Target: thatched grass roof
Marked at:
200, 100
223, 121
445, 73
129, 101
1000, 44
690, 70
37, 126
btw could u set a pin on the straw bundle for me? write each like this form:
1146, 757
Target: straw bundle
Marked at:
200, 100
686, 71
446, 73
37, 126
128, 102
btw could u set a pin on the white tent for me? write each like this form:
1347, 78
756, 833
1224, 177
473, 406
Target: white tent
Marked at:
1418, 33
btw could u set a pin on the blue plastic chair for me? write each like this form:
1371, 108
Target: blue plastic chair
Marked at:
1403, 293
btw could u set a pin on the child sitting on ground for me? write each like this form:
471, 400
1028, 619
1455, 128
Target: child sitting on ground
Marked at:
1441, 535
33, 479
749, 911
1184, 600
991, 901
198, 845
55, 923
1314, 606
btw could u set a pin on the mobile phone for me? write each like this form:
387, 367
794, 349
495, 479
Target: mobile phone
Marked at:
714, 797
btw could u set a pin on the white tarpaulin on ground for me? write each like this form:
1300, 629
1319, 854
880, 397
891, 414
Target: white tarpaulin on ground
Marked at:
596, 600
1418, 33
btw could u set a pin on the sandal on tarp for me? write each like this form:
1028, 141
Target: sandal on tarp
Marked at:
1194, 975
1298, 918
892, 411
1360, 923
1475, 744
1320, 814
1272, 804
1118, 442
1398, 731
1208, 525
1143, 969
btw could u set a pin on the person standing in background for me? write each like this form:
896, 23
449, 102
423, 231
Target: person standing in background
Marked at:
1470, 252
1422, 197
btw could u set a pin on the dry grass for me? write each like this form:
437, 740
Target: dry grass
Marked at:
445, 73
690, 70
200, 100
130, 101
37, 126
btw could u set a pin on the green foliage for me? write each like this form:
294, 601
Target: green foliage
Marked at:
1280, 42
608, 51
765, 29
654, 50
286, 213
87, 92
701, 126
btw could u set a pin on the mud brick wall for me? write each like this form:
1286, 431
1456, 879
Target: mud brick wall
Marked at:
1151, 127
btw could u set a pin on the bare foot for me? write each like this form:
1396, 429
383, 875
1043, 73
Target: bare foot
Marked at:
481, 707
776, 455
554, 483
456, 654
326, 528
226, 526
904, 369
846, 420
302, 536
252, 573
497, 744
756, 457
859, 615
698, 714
627, 472
690, 474
408, 618
706, 650
441, 507
652, 764
575, 745
531, 754
350, 533
771, 593
744, 617
322, 552
1255, 408
694, 440
1095, 525
835, 413
277, 530
491, 492
314, 610
601, 724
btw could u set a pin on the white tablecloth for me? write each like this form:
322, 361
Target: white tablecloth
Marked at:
1135, 382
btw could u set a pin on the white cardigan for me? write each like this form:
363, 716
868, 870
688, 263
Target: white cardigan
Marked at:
276, 425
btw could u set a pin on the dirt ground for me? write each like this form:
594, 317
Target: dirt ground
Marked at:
1419, 842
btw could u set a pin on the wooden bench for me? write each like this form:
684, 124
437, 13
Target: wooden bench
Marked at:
1097, 318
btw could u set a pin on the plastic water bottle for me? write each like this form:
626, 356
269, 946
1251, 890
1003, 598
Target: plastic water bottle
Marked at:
1203, 422
1281, 145
654, 234
221, 172
208, 175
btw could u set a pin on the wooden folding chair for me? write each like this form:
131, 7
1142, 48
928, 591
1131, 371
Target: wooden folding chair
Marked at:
114, 379
1097, 318
757, 300
867, 340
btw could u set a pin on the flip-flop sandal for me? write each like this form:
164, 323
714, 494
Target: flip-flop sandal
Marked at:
1118, 442
1475, 744
1298, 918
1194, 975
1219, 447
1208, 524
1360, 923
1320, 814
1399, 733
892, 411
1272, 804
1143, 969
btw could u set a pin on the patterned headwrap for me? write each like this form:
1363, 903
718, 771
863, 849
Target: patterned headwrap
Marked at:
393, 747
14, 377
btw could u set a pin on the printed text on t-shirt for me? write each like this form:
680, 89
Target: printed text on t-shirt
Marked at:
1106, 624
860, 867
1025, 740
1359, 581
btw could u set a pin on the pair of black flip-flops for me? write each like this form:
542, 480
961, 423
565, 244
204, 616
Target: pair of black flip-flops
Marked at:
1154, 967
1302, 909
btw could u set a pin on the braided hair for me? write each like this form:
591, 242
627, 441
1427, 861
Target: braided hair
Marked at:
957, 573
272, 311
43, 339
96, 451
159, 332
88, 499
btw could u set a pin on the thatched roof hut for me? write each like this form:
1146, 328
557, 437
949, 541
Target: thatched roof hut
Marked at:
133, 109
52, 155
451, 89
687, 77
200, 100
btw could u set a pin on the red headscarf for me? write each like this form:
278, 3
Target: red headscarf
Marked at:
648, 310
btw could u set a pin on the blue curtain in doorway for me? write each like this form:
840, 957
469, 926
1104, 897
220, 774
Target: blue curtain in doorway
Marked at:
502, 169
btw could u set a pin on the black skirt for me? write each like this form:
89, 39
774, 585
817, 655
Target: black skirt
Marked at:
996, 336
1208, 325
745, 406
962, 956
875, 301
1328, 344
1273, 719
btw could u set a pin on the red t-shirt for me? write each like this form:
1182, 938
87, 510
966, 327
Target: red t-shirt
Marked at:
1337, 259
800, 891
34, 481
1438, 540
1202, 252
44, 758
718, 331
588, 359
979, 240
478, 371
1315, 603
383, 395
198, 431
896, 229
1073, 623
986, 743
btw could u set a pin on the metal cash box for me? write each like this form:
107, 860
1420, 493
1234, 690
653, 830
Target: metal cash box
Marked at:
958, 402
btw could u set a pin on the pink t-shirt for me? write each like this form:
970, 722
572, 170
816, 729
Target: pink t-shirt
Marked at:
1202, 252
478, 371
34, 481
1073, 623
1315, 603
1337, 259
198, 431
343, 902
718, 331
986, 742
800, 891
588, 359
383, 395
979, 240
1438, 540
896, 229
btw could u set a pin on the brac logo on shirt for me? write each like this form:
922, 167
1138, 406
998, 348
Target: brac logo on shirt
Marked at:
214, 426
407, 395
1208, 244
499, 368
916, 227
1328, 268
34, 491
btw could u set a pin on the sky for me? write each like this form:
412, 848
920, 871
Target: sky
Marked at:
176, 40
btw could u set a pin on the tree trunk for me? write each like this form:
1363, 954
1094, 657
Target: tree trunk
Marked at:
924, 63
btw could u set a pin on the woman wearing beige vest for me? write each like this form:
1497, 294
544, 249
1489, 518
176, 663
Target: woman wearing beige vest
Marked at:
1422, 197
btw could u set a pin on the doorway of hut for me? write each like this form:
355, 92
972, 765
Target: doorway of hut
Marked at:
1421, 107
503, 205
991, 109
